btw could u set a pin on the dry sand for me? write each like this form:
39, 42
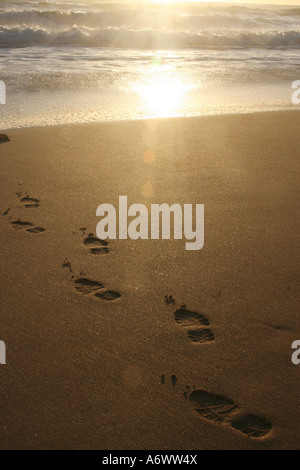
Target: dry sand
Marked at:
83, 372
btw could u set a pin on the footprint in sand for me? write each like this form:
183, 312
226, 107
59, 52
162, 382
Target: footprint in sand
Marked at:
221, 409
96, 245
87, 286
216, 408
18, 224
28, 201
28, 226
195, 324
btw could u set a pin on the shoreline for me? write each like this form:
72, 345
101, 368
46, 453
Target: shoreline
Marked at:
293, 108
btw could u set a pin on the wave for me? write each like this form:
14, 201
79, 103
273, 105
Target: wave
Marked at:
88, 23
147, 38
140, 19
188, 16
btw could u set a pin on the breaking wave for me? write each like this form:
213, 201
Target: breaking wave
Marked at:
147, 38
162, 26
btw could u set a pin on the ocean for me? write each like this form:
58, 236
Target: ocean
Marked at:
84, 61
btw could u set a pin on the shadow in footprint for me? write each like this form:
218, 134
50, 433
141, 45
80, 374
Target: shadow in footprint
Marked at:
4, 138
219, 408
30, 202
28, 226
19, 225
169, 300
108, 295
188, 318
213, 407
173, 379
67, 265
35, 230
6, 212
204, 335
87, 286
96, 245
253, 426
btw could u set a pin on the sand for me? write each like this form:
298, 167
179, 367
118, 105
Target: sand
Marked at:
119, 371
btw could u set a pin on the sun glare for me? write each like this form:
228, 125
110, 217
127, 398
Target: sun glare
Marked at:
162, 97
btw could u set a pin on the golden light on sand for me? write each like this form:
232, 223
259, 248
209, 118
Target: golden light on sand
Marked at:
147, 189
149, 156
162, 96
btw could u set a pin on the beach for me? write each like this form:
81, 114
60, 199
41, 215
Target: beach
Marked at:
96, 357
94, 61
